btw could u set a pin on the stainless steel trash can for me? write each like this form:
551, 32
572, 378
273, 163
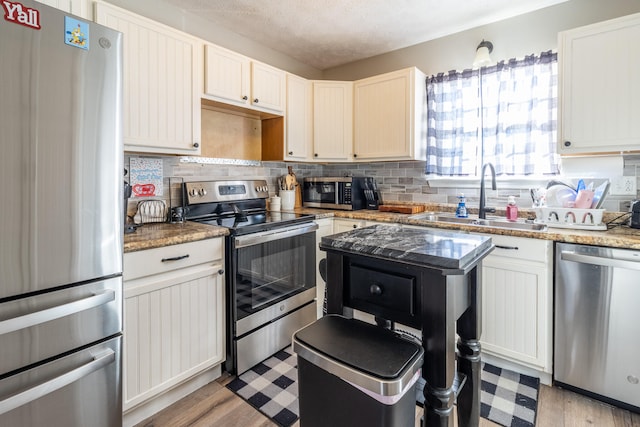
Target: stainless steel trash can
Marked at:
351, 373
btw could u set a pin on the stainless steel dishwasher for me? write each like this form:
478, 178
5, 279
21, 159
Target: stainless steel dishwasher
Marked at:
597, 322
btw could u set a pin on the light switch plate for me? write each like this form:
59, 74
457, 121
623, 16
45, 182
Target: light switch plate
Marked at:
623, 186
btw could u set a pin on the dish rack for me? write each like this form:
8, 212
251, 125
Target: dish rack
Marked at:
151, 211
585, 219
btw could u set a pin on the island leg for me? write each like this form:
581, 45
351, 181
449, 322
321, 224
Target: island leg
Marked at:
438, 340
335, 265
469, 328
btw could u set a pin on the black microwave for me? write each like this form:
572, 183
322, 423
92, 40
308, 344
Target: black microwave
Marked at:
346, 193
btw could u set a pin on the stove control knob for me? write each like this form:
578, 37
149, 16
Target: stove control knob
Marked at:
203, 192
193, 192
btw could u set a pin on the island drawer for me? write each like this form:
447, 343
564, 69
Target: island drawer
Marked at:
388, 294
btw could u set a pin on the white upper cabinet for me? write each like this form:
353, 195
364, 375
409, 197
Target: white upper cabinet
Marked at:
389, 115
235, 79
298, 119
332, 121
227, 75
599, 87
162, 84
268, 87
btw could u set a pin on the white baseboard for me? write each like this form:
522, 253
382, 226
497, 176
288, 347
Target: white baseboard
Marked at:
143, 411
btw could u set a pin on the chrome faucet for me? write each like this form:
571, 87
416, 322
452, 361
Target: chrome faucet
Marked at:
482, 209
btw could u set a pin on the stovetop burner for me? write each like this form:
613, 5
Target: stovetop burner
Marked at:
257, 222
238, 205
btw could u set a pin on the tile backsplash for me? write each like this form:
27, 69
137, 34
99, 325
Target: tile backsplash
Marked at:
397, 181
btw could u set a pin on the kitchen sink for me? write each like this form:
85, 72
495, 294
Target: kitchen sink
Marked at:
489, 222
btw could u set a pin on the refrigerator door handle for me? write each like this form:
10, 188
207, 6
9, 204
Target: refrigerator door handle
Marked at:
22, 398
597, 260
38, 317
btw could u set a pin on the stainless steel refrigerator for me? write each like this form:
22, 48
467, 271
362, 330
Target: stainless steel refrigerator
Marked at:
61, 167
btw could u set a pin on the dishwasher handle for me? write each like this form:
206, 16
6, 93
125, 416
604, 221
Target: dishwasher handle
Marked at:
597, 260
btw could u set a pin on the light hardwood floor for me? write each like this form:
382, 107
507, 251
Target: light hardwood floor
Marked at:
215, 406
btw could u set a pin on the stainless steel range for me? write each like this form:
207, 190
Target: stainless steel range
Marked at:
270, 264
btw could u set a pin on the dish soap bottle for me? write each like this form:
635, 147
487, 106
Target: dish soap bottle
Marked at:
461, 211
512, 209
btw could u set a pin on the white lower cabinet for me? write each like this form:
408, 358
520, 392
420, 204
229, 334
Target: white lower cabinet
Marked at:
173, 317
517, 303
345, 224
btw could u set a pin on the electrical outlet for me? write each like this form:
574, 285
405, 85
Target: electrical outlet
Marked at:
623, 186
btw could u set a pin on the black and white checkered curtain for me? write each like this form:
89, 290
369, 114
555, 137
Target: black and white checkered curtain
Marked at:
505, 114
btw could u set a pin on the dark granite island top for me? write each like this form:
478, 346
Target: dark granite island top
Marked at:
438, 248
425, 278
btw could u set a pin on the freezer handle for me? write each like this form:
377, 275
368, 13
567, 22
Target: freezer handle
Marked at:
38, 317
22, 398
596, 260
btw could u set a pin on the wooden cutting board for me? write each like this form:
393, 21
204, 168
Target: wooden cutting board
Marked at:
407, 209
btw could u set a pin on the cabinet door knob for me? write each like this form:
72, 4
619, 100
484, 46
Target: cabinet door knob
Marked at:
355, 155
245, 97
221, 272
315, 155
567, 143
255, 101
355, 225
196, 145
375, 289
291, 153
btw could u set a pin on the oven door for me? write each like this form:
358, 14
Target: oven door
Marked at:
271, 267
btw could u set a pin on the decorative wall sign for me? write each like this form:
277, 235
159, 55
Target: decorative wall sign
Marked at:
145, 177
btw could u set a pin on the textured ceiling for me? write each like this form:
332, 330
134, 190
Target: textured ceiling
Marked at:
327, 33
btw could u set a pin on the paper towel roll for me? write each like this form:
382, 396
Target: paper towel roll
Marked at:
592, 166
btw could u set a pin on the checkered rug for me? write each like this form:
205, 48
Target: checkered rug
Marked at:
272, 387
507, 398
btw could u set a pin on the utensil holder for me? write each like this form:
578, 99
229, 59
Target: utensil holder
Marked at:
287, 199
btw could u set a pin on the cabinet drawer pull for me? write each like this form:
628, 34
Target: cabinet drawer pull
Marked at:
175, 258
512, 248
375, 289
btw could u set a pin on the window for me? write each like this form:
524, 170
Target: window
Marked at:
505, 114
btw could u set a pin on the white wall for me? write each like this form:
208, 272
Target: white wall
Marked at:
534, 32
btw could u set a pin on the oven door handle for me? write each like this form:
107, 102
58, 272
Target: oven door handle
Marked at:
271, 235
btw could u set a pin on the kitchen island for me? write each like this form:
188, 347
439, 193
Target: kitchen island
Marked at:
427, 279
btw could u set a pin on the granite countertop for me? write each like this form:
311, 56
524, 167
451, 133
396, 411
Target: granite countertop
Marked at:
155, 235
162, 234
616, 237
438, 248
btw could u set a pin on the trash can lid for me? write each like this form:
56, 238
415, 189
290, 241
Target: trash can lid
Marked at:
366, 348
